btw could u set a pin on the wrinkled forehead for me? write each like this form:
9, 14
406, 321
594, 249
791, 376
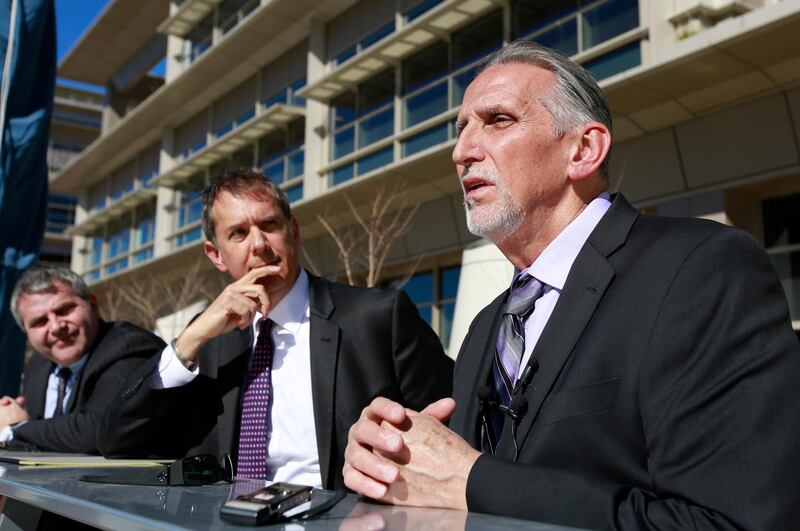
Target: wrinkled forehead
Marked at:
510, 80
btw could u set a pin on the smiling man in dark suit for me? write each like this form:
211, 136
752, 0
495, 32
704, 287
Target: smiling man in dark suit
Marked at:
280, 365
640, 373
80, 363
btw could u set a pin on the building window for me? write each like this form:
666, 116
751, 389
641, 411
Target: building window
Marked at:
361, 119
119, 240
144, 233
282, 157
60, 213
573, 26
200, 38
232, 12
287, 95
363, 44
188, 211
420, 9
434, 294
782, 240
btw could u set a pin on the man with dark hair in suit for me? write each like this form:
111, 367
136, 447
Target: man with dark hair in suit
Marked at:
279, 366
640, 373
80, 363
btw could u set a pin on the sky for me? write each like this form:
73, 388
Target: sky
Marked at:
72, 19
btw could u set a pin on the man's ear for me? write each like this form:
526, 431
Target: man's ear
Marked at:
590, 149
295, 227
93, 303
213, 254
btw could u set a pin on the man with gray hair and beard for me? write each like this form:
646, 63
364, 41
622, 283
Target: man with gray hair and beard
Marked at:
639, 373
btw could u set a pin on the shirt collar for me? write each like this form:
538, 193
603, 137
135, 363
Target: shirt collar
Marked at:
75, 368
292, 310
553, 265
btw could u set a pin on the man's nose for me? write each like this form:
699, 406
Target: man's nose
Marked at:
57, 324
257, 241
468, 149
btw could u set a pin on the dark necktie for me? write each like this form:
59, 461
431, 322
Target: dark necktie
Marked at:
63, 376
255, 424
511, 344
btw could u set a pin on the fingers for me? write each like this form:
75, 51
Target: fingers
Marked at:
6, 400
384, 409
258, 272
441, 409
21, 400
359, 482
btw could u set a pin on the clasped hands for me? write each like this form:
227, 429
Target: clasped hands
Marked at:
403, 457
12, 410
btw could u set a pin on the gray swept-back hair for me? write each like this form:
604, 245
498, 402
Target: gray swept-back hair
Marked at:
576, 98
42, 279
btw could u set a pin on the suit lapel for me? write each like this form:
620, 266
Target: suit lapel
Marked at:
475, 364
324, 349
586, 284
234, 344
38, 370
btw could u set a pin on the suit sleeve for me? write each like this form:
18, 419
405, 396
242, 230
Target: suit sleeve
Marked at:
77, 431
719, 396
424, 371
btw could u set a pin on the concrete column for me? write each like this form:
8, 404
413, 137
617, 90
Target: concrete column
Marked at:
316, 135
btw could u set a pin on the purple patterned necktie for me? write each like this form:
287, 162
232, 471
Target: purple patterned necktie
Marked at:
511, 344
255, 424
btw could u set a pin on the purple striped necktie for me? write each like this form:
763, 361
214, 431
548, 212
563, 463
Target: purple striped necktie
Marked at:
255, 422
511, 343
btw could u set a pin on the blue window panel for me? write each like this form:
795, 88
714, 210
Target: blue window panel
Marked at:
448, 282
119, 243
279, 97
198, 146
446, 322
294, 164
145, 230
615, 62
427, 104
93, 275
147, 178
223, 130
429, 137
343, 114
143, 256
377, 35
426, 313
460, 83
343, 56
191, 208
295, 193
62, 199
274, 171
188, 237
294, 87
421, 9
121, 265
340, 175
373, 161
344, 142
420, 288
116, 196
563, 38
101, 203
528, 18
375, 128
242, 118
609, 20
97, 250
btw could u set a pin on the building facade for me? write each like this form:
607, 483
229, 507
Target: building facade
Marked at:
74, 125
338, 99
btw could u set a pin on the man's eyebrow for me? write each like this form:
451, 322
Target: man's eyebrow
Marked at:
460, 125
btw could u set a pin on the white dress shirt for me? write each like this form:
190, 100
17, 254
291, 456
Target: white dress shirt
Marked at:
51, 395
292, 452
553, 265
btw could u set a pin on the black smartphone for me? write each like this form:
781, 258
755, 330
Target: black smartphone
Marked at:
265, 505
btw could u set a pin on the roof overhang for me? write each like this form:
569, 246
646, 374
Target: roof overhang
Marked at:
185, 19
122, 29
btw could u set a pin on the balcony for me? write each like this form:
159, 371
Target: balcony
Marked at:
416, 35
231, 140
116, 206
188, 15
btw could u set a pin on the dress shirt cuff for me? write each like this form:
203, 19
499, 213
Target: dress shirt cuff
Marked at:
171, 372
7, 433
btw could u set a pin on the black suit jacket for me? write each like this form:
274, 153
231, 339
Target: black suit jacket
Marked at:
119, 348
668, 393
364, 343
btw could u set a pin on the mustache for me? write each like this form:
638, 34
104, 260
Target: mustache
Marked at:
487, 174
